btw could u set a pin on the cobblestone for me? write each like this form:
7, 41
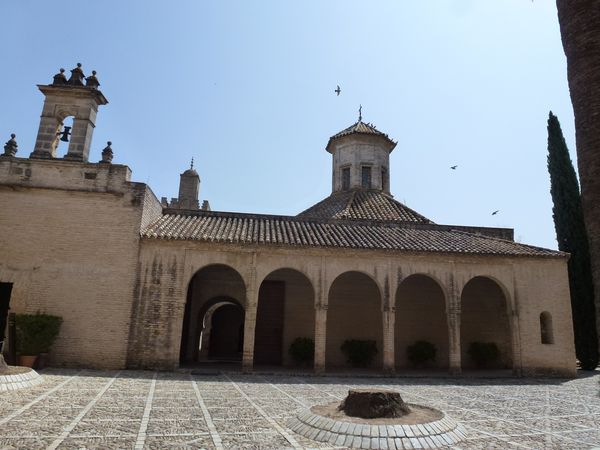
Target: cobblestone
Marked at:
136, 409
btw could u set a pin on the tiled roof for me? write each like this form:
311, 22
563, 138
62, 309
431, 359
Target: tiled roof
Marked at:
363, 205
257, 229
361, 128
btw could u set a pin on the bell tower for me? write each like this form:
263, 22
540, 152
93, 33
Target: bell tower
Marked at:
77, 97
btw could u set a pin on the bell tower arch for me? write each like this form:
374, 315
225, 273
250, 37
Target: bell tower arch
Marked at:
77, 97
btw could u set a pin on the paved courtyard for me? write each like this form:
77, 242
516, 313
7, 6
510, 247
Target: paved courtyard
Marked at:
134, 409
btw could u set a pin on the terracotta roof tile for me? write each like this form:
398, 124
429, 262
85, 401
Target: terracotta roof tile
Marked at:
363, 205
361, 128
257, 229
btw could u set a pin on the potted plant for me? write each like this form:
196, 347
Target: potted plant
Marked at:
421, 353
302, 351
35, 334
359, 353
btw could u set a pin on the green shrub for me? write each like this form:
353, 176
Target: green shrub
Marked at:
302, 350
359, 353
36, 332
483, 353
421, 352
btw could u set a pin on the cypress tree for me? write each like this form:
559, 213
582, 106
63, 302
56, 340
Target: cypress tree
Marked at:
572, 238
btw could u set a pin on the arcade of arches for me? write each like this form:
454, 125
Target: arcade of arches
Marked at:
216, 322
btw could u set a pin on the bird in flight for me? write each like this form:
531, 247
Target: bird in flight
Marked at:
338, 90
453, 167
495, 212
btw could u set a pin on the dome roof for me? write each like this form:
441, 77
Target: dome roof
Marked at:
359, 204
360, 128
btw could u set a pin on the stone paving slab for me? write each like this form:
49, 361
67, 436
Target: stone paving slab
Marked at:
150, 410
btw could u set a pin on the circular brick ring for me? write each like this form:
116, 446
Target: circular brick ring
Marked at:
442, 432
21, 380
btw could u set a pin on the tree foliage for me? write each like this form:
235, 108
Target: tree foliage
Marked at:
572, 238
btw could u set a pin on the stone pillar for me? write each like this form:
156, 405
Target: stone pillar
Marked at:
47, 138
320, 337
250, 319
513, 318
321, 304
453, 319
389, 327
81, 139
249, 329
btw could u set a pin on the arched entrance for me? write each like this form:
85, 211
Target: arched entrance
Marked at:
353, 313
222, 332
421, 316
285, 312
484, 319
215, 305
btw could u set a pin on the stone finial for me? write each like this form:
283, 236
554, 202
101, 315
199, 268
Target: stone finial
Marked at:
10, 148
92, 81
77, 76
205, 205
59, 79
107, 154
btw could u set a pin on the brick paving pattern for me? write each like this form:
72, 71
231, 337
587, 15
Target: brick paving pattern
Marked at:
153, 410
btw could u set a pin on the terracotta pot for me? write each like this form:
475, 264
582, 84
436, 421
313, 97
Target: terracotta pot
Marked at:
27, 360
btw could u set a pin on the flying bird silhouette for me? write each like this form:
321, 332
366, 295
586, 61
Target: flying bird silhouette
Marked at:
338, 90
495, 212
453, 167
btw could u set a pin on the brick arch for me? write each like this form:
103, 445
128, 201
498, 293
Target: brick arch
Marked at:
285, 311
206, 333
485, 317
217, 264
209, 282
353, 312
420, 315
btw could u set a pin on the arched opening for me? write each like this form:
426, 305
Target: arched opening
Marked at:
285, 312
222, 332
64, 134
546, 329
353, 313
484, 320
212, 288
421, 316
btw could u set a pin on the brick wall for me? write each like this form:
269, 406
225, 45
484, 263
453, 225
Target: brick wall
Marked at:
69, 234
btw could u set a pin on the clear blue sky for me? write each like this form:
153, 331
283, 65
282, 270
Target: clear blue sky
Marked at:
246, 88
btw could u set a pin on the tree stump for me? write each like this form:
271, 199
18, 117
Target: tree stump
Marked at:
374, 404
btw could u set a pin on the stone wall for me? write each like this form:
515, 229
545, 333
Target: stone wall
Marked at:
524, 282
69, 234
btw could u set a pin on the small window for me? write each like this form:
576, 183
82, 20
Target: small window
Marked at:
346, 178
384, 180
547, 334
366, 177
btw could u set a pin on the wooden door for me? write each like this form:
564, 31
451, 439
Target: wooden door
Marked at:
268, 337
5, 290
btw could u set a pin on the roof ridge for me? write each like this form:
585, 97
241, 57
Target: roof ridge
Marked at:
349, 203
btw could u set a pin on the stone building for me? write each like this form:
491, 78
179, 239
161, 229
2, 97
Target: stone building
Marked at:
143, 283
